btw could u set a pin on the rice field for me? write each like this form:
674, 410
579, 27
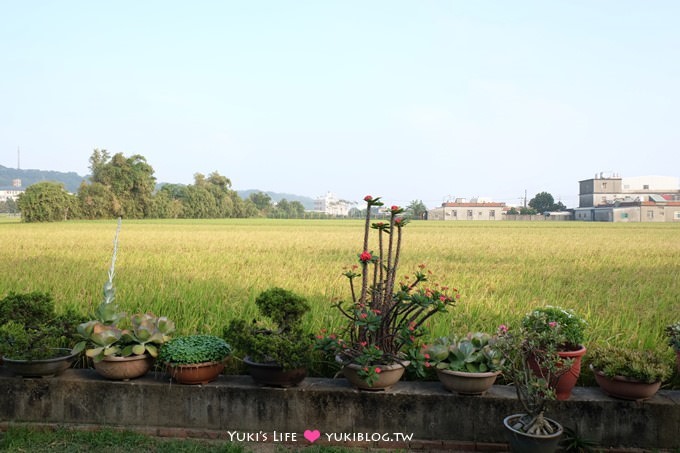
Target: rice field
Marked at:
624, 279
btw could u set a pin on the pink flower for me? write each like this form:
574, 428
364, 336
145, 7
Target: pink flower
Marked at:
368, 198
363, 316
427, 356
503, 328
365, 256
378, 370
394, 208
552, 324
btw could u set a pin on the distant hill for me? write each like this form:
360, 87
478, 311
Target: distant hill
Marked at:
71, 180
307, 202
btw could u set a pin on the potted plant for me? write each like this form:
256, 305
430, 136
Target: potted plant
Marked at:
530, 430
542, 322
673, 333
628, 373
275, 356
34, 340
467, 365
385, 318
121, 347
194, 359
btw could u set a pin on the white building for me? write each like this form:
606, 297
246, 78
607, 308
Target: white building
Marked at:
11, 193
329, 204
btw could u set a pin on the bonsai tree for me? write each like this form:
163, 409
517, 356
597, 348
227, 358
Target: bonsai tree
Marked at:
30, 328
521, 351
286, 344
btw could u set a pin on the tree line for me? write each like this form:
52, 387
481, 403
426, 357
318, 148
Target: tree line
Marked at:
121, 186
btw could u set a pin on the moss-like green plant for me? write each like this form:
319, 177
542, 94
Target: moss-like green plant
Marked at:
194, 349
287, 345
641, 365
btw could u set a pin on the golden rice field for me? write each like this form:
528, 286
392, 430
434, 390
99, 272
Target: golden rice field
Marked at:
623, 278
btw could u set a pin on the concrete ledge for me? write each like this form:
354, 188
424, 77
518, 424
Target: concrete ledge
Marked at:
234, 408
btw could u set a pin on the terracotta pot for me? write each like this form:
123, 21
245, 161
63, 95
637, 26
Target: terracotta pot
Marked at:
625, 388
124, 368
389, 375
274, 375
199, 373
565, 382
43, 367
466, 383
528, 443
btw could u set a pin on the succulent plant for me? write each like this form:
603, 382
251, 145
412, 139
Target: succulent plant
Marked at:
115, 334
473, 353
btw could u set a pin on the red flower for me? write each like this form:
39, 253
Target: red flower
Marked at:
394, 208
365, 257
368, 198
378, 370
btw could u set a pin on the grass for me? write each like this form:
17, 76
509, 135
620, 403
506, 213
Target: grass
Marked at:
34, 440
623, 278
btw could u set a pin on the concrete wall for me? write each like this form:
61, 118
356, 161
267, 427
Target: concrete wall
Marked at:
234, 404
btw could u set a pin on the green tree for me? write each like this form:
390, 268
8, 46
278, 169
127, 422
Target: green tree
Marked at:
542, 202
47, 202
97, 201
130, 179
417, 209
262, 201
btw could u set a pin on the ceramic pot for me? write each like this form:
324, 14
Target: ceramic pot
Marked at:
274, 375
124, 368
565, 382
43, 367
625, 388
199, 373
521, 442
466, 383
389, 375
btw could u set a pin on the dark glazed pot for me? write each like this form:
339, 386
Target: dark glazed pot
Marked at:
274, 375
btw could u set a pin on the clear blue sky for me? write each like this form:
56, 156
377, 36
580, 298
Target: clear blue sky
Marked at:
410, 100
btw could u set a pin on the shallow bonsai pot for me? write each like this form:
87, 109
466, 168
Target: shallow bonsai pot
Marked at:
389, 375
198, 373
124, 368
625, 388
274, 375
63, 360
466, 383
521, 442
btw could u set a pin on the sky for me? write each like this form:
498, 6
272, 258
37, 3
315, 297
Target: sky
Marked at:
425, 100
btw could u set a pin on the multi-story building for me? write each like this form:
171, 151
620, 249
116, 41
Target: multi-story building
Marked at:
331, 205
461, 209
611, 198
12, 192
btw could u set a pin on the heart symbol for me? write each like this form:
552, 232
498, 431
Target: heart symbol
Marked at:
312, 436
